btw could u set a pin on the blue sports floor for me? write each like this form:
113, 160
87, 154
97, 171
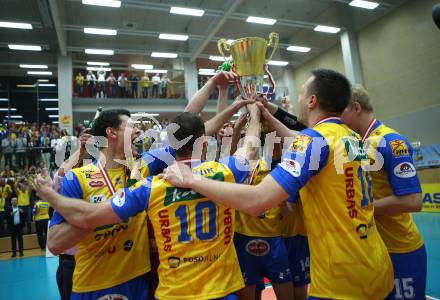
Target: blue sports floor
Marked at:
34, 277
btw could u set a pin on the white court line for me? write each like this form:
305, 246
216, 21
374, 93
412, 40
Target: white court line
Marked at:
431, 298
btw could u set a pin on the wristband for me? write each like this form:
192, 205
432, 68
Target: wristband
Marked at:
289, 120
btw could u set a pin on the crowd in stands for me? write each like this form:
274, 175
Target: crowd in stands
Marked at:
101, 86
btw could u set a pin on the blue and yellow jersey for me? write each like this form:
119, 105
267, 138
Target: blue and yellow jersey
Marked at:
396, 176
270, 223
194, 235
156, 160
23, 197
41, 210
112, 254
348, 257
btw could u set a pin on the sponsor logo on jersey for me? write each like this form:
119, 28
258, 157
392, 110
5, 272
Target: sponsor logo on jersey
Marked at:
119, 198
96, 184
399, 148
174, 262
113, 297
350, 192
291, 166
128, 245
300, 144
405, 170
115, 229
258, 247
93, 175
164, 221
97, 198
202, 259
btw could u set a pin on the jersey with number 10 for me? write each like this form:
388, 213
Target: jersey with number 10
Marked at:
348, 257
194, 235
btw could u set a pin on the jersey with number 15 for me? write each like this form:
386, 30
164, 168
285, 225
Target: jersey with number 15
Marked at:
194, 235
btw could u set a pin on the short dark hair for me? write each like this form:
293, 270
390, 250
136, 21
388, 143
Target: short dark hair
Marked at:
332, 89
188, 124
108, 118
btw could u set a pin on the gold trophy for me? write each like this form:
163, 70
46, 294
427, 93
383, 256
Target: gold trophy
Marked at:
249, 62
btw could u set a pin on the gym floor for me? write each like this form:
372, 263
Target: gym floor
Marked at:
33, 276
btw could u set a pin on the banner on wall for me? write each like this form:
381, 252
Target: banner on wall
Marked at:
427, 156
431, 197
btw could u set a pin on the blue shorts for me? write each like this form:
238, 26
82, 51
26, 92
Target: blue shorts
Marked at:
409, 275
228, 297
299, 259
262, 257
136, 288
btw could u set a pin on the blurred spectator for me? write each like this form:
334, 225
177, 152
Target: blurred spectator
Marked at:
101, 83
45, 149
111, 79
2, 206
34, 144
134, 85
16, 219
79, 79
8, 145
7, 172
156, 81
164, 86
145, 85
20, 150
122, 82
41, 217
23, 191
91, 79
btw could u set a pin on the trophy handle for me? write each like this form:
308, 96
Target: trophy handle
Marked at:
222, 44
273, 41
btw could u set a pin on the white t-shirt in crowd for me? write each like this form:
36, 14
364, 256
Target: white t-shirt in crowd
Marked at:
155, 80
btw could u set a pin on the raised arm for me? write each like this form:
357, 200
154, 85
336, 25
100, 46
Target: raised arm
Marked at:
200, 98
252, 143
213, 125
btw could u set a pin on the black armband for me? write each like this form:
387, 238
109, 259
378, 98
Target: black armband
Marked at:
289, 120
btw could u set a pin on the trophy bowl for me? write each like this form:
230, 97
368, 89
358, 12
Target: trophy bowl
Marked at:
249, 62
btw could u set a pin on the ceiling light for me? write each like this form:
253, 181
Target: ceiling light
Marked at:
47, 84
141, 114
99, 51
24, 47
25, 85
15, 25
3, 99
258, 20
51, 108
97, 63
156, 71
164, 54
328, 29
108, 3
33, 66
206, 70
100, 31
15, 117
207, 73
216, 58
39, 72
43, 80
277, 63
49, 100
54, 116
142, 67
98, 69
55, 122
298, 49
6, 109
364, 4
175, 37
187, 11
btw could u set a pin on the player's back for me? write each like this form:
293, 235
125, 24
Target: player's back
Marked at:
194, 237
